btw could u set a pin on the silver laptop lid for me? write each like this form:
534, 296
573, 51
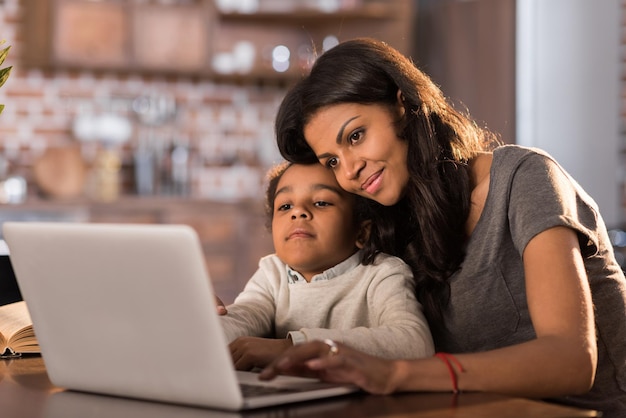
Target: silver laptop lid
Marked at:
124, 310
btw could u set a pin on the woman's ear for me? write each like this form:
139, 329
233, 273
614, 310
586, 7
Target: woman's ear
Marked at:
401, 108
364, 234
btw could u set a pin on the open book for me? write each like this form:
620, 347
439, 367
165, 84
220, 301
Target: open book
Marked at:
16, 331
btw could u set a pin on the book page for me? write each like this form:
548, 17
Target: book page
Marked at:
15, 319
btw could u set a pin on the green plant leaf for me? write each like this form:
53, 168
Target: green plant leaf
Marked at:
4, 53
4, 72
4, 75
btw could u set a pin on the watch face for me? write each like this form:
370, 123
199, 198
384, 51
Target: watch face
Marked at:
94, 34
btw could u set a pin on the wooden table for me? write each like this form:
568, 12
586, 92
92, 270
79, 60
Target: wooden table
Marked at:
26, 392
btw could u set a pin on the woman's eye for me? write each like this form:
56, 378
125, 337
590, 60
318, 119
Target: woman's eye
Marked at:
355, 137
331, 162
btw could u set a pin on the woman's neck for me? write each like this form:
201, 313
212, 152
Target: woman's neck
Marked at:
479, 168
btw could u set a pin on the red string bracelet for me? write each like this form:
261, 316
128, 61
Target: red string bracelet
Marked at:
445, 357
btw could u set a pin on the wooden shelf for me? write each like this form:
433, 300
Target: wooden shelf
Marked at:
196, 39
376, 11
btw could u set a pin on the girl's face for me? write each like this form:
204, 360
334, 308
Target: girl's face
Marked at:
313, 226
360, 145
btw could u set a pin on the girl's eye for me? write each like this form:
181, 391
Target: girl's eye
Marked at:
284, 207
321, 203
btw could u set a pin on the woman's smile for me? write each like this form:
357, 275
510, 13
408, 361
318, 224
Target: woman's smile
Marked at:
373, 183
361, 146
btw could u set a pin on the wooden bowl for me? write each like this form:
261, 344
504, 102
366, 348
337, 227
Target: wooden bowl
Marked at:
60, 172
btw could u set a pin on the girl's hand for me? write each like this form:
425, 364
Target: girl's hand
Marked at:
252, 352
219, 305
343, 365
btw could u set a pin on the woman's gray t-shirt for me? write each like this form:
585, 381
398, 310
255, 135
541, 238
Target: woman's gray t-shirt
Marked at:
528, 193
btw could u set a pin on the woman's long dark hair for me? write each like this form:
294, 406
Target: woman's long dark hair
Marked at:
426, 227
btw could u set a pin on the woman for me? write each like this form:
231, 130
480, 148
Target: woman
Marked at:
512, 259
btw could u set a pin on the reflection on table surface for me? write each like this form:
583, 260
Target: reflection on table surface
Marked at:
26, 392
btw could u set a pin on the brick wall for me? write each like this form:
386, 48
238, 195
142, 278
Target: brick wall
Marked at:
227, 128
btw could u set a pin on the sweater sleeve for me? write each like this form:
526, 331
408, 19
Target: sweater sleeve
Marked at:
395, 327
253, 311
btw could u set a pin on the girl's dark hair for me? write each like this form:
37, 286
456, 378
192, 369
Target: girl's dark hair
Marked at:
363, 209
426, 227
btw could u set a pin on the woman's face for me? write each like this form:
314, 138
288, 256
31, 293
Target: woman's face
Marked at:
360, 144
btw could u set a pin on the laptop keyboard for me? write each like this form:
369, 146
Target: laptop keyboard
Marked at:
249, 390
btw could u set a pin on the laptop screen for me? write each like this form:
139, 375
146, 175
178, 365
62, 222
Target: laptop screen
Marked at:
9, 291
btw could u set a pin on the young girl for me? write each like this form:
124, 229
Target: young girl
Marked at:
319, 284
512, 259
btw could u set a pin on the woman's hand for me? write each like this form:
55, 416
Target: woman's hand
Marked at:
344, 365
252, 352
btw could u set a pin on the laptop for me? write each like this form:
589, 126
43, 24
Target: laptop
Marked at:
9, 291
73, 404
128, 310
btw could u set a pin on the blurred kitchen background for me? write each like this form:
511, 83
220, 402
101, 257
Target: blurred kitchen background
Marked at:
161, 111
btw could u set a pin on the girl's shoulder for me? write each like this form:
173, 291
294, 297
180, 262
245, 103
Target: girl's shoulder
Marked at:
391, 262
